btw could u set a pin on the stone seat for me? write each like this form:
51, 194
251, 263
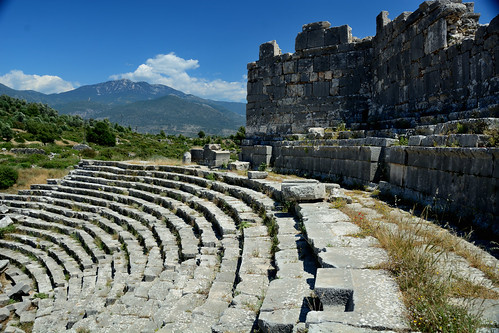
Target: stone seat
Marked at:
22, 244
58, 253
144, 191
122, 206
33, 269
61, 235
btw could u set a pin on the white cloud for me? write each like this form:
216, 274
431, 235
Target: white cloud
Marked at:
47, 84
171, 70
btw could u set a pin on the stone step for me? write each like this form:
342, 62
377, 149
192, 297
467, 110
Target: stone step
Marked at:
36, 239
334, 238
33, 269
348, 297
54, 271
142, 186
139, 229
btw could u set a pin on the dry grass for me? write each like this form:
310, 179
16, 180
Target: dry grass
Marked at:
158, 161
416, 253
27, 177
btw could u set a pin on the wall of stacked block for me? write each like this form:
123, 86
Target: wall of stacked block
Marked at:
423, 67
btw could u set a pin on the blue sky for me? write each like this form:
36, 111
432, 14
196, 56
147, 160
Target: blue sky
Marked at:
199, 46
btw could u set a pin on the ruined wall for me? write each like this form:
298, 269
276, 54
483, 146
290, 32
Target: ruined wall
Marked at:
325, 82
419, 68
431, 62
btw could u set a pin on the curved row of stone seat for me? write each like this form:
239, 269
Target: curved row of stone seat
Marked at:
291, 271
251, 267
233, 288
34, 269
232, 282
119, 206
98, 278
138, 185
256, 259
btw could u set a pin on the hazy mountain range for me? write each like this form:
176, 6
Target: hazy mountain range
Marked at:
145, 107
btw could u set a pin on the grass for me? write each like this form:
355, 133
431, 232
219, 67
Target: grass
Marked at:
416, 253
30, 176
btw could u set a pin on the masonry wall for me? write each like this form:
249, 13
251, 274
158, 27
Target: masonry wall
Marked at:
462, 180
421, 67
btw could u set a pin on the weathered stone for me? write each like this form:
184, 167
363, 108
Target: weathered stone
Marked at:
4, 314
257, 174
81, 146
5, 222
303, 192
186, 158
238, 165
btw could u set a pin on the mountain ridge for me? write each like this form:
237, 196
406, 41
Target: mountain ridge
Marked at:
114, 99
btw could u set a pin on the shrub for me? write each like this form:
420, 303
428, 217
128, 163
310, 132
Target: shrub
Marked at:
101, 134
88, 153
8, 176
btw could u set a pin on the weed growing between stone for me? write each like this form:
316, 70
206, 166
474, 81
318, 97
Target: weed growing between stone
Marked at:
416, 254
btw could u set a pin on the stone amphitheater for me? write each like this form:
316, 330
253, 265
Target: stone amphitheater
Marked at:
131, 247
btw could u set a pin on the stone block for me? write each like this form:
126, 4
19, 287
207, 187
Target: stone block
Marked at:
197, 154
436, 36
239, 166
186, 158
303, 192
5, 221
257, 174
334, 288
315, 38
321, 89
269, 50
301, 41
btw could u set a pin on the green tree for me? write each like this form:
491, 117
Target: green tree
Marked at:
6, 132
101, 134
8, 176
201, 134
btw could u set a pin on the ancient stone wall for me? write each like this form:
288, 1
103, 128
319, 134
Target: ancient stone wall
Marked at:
423, 67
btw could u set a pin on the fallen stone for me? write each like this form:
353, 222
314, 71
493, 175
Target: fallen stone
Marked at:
3, 265
257, 175
303, 192
4, 209
19, 290
81, 146
5, 222
239, 165
4, 314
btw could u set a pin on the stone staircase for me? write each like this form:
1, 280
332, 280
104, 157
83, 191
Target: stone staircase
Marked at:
142, 248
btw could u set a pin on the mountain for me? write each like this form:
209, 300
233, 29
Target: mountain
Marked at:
116, 92
126, 102
28, 95
176, 115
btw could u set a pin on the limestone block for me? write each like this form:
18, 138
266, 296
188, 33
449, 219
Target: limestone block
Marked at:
436, 36
303, 192
316, 132
186, 158
81, 146
415, 140
257, 174
197, 154
315, 38
238, 165
334, 287
5, 222
269, 50
4, 314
